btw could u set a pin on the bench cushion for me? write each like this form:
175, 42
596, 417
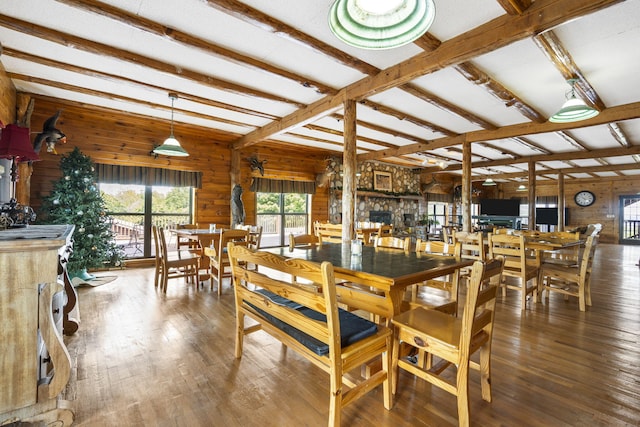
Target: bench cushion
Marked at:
352, 328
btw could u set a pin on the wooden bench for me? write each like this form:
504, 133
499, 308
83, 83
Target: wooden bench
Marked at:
310, 322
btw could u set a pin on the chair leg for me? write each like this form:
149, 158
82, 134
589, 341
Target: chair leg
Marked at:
394, 371
485, 371
462, 386
220, 271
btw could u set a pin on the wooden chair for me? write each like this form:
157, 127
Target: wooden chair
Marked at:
219, 260
391, 242
442, 293
453, 340
303, 240
571, 280
255, 235
310, 323
472, 247
517, 265
447, 233
172, 268
567, 256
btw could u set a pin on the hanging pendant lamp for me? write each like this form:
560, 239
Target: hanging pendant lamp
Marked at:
380, 24
574, 109
489, 182
171, 146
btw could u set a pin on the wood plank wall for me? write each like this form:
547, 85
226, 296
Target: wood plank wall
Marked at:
114, 137
605, 210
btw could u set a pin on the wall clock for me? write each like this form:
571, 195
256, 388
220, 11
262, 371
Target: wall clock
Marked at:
584, 198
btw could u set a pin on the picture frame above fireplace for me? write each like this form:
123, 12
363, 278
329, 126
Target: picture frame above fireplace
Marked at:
382, 181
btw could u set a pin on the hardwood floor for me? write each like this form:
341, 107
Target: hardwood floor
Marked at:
148, 359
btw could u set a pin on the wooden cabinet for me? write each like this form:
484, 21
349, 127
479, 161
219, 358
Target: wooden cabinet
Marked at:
34, 363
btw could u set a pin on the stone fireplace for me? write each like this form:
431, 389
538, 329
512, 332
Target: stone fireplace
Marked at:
393, 207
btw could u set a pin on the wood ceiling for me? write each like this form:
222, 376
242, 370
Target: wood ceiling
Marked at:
489, 72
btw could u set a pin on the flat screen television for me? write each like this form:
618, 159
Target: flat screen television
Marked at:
500, 207
549, 216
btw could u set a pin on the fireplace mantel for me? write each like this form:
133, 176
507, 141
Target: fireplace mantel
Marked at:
368, 194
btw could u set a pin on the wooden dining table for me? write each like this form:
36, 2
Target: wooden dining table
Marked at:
203, 236
389, 271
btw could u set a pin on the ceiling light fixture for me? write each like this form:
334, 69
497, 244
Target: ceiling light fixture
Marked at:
489, 182
574, 109
380, 24
171, 146
522, 187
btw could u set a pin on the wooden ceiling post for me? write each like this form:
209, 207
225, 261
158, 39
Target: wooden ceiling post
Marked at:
234, 174
560, 201
349, 168
466, 186
532, 195
24, 108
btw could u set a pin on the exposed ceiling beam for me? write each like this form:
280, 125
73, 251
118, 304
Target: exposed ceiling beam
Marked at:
101, 49
108, 95
515, 7
619, 113
152, 27
541, 16
133, 83
569, 171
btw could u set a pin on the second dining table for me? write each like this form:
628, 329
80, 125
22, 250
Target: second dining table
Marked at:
387, 270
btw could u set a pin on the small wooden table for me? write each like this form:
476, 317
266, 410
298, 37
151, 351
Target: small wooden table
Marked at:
203, 236
387, 270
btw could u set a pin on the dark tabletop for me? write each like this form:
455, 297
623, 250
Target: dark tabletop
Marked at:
394, 267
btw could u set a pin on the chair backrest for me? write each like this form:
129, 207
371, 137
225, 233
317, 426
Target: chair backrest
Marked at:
391, 242
328, 232
160, 249
161, 244
385, 230
472, 245
447, 233
255, 235
303, 240
187, 226
239, 237
502, 230
512, 248
568, 235
479, 307
437, 247
586, 261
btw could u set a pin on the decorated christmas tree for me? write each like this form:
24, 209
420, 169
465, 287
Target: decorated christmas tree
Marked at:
75, 199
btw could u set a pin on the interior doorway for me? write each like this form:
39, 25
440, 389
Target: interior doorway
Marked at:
630, 220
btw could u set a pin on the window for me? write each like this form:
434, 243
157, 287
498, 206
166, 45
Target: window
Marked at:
281, 214
134, 208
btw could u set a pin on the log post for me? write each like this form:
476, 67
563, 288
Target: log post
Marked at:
234, 174
349, 177
24, 108
561, 201
466, 186
532, 195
